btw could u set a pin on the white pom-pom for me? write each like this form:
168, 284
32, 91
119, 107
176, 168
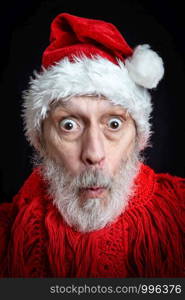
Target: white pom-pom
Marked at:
145, 67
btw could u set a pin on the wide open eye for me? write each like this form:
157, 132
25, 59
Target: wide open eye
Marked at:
68, 125
114, 123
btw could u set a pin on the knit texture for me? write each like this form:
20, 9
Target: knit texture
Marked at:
147, 240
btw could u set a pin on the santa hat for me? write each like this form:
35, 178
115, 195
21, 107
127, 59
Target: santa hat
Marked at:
91, 57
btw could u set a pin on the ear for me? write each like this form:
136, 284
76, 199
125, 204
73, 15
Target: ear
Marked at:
39, 145
134, 141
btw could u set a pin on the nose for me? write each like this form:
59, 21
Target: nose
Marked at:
93, 153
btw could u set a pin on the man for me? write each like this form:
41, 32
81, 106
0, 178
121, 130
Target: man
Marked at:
91, 208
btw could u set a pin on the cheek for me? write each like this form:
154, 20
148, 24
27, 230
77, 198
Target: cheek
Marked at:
120, 150
62, 152
70, 158
127, 145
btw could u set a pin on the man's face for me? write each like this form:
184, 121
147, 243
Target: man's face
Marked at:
88, 142
89, 132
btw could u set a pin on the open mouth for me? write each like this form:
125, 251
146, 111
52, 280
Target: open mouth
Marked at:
94, 191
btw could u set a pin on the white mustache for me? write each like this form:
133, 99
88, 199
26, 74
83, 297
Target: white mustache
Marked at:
92, 177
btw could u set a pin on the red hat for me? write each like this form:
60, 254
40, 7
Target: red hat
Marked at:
91, 57
72, 36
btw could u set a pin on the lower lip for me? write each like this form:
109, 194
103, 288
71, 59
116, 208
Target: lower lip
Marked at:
93, 192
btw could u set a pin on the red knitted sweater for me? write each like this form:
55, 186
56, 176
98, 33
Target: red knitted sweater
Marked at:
147, 240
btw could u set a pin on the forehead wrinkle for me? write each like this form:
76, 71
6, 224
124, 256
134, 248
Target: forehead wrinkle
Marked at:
82, 108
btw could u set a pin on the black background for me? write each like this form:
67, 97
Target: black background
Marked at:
24, 30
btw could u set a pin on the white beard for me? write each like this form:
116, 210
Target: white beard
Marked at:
93, 213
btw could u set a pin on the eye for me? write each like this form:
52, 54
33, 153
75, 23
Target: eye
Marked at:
114, 123
68, 125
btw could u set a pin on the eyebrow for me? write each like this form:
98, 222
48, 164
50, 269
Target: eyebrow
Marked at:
79, 114
65, 107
